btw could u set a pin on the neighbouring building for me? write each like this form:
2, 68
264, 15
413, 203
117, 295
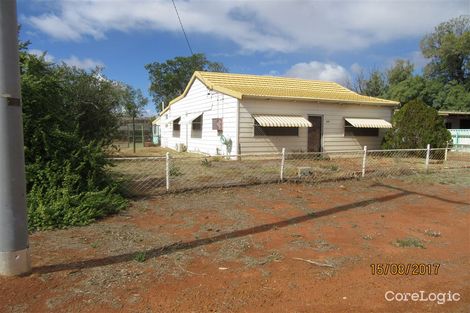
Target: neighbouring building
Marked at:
220, 113
458, 123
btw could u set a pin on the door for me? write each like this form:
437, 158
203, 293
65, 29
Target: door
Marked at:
314, 134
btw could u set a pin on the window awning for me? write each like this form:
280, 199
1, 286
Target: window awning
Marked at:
281, 120
368, 123
189, 118
171, 119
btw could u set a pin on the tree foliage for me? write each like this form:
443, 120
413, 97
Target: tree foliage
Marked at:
448, 49
169, 79
415, 126
400, 71
372, 85
445, 82
69, 119
133, 101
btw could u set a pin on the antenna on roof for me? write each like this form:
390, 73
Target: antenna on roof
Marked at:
182, 28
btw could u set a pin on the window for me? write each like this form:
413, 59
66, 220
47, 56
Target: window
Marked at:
465, 124
196, 127
350, 130
176, 127
449, 125
275, 131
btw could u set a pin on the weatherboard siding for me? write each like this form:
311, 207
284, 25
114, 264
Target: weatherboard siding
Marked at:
333, 125
213, 105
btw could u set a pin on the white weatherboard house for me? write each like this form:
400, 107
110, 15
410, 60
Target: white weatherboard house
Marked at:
260, 114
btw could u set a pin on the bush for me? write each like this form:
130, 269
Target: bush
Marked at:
415, 126
66, 134
71, 193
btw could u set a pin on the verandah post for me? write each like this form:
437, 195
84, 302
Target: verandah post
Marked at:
283, 159
364, 160
167, 171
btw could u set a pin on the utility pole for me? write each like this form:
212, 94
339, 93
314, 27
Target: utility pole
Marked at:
14, 246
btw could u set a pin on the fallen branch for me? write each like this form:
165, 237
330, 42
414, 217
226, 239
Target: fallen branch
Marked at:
314, 262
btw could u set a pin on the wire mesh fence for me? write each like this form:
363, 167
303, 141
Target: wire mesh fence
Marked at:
157, 175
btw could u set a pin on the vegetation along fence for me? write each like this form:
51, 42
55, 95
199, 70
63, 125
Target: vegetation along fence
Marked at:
156, 175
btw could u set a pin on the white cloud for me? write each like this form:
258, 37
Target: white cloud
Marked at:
319, 71
86, 64
48, 57
255, 25
58, 27
356, 68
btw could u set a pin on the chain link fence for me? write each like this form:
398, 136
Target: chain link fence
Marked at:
146, 176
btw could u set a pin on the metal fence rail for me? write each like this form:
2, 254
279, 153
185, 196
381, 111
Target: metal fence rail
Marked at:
157, 175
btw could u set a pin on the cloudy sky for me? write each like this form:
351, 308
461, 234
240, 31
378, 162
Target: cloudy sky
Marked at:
314, 39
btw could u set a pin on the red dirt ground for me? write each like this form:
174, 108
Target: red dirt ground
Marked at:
234, 250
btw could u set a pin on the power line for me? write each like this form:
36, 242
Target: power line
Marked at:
182, 28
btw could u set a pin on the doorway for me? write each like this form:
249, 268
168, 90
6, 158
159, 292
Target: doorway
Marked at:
315, 134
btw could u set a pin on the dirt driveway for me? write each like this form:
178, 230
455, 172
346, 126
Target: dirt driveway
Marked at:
268, 248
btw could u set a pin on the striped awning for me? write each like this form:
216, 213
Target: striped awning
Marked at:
368, 123
281, 120
189, 118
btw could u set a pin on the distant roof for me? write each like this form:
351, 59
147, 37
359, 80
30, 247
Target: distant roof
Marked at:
446, 113
242, 86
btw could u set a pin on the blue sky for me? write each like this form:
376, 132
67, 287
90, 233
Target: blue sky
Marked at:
328, 40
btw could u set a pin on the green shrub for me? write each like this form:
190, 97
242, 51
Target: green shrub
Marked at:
415, 126
409, 242
71, 193
140, 257
69, 118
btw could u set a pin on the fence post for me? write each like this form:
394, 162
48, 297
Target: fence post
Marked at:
364, 159
428, 152
445, 153
167, 171
143, 137
283, 160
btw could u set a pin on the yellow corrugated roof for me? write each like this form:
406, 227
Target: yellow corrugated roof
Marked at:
270, 87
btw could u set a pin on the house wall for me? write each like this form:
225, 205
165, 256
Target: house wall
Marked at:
333, 125
213, 105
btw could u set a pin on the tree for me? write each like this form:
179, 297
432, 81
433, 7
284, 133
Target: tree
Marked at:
93, 100
134, 102
169, 79
449, 50
67, 181
400, 71
374, 85
415, 126
407, 90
